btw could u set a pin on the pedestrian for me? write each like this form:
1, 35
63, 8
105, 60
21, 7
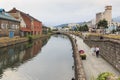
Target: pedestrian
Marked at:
93, 50
75, 40
97, 51
72, 67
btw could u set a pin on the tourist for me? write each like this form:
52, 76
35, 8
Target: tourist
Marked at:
97, 51
72, 67
75, 40
93, 50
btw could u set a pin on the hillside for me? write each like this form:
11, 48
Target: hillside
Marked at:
65, 25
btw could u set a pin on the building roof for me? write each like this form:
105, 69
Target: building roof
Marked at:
6, 16
24, 15
27, 19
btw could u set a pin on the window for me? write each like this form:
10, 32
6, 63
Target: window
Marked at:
12, 26
3, 26
17, 27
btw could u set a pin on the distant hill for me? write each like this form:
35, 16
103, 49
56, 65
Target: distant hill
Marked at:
61, 25
64, 25
117, 19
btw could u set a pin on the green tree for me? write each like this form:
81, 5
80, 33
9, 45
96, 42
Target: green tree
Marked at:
84, 28
103, 24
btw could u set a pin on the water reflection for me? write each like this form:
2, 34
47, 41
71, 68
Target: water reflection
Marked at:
54, 61
13, 56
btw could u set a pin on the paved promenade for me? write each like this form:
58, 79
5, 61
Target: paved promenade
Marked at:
93, 66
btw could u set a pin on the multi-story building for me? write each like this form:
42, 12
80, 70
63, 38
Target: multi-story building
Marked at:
107, 15
28, 24
9, 26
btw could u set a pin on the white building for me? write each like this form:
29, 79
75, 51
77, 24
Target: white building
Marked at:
71, 25
107, 15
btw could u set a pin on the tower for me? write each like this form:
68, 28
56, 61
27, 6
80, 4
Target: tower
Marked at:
108, 14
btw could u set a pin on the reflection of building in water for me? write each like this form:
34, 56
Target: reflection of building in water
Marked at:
37, 48
13, 56
33, 51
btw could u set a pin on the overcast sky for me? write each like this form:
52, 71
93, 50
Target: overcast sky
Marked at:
55, 12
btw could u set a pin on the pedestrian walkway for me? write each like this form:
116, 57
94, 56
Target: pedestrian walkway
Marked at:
93, 66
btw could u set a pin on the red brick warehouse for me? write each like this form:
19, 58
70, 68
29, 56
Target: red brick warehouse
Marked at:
28, 24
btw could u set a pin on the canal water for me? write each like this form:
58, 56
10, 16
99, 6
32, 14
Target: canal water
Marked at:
44, 59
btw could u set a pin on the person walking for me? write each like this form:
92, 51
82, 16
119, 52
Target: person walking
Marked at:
97, 51
93, 50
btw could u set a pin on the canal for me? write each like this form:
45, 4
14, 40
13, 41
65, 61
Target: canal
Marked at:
44, 59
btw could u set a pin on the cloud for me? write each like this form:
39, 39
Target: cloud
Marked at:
53, 12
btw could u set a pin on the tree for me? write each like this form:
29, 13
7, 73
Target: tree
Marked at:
83, 28
102, 24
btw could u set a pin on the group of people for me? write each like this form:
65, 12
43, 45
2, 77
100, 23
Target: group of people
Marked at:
95, 51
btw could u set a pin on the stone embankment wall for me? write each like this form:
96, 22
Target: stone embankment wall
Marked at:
6, 41
11, 41
109, 49
79, 70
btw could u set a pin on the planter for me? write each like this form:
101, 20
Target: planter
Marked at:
83, 56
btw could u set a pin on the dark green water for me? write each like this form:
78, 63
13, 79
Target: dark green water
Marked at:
41, 60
